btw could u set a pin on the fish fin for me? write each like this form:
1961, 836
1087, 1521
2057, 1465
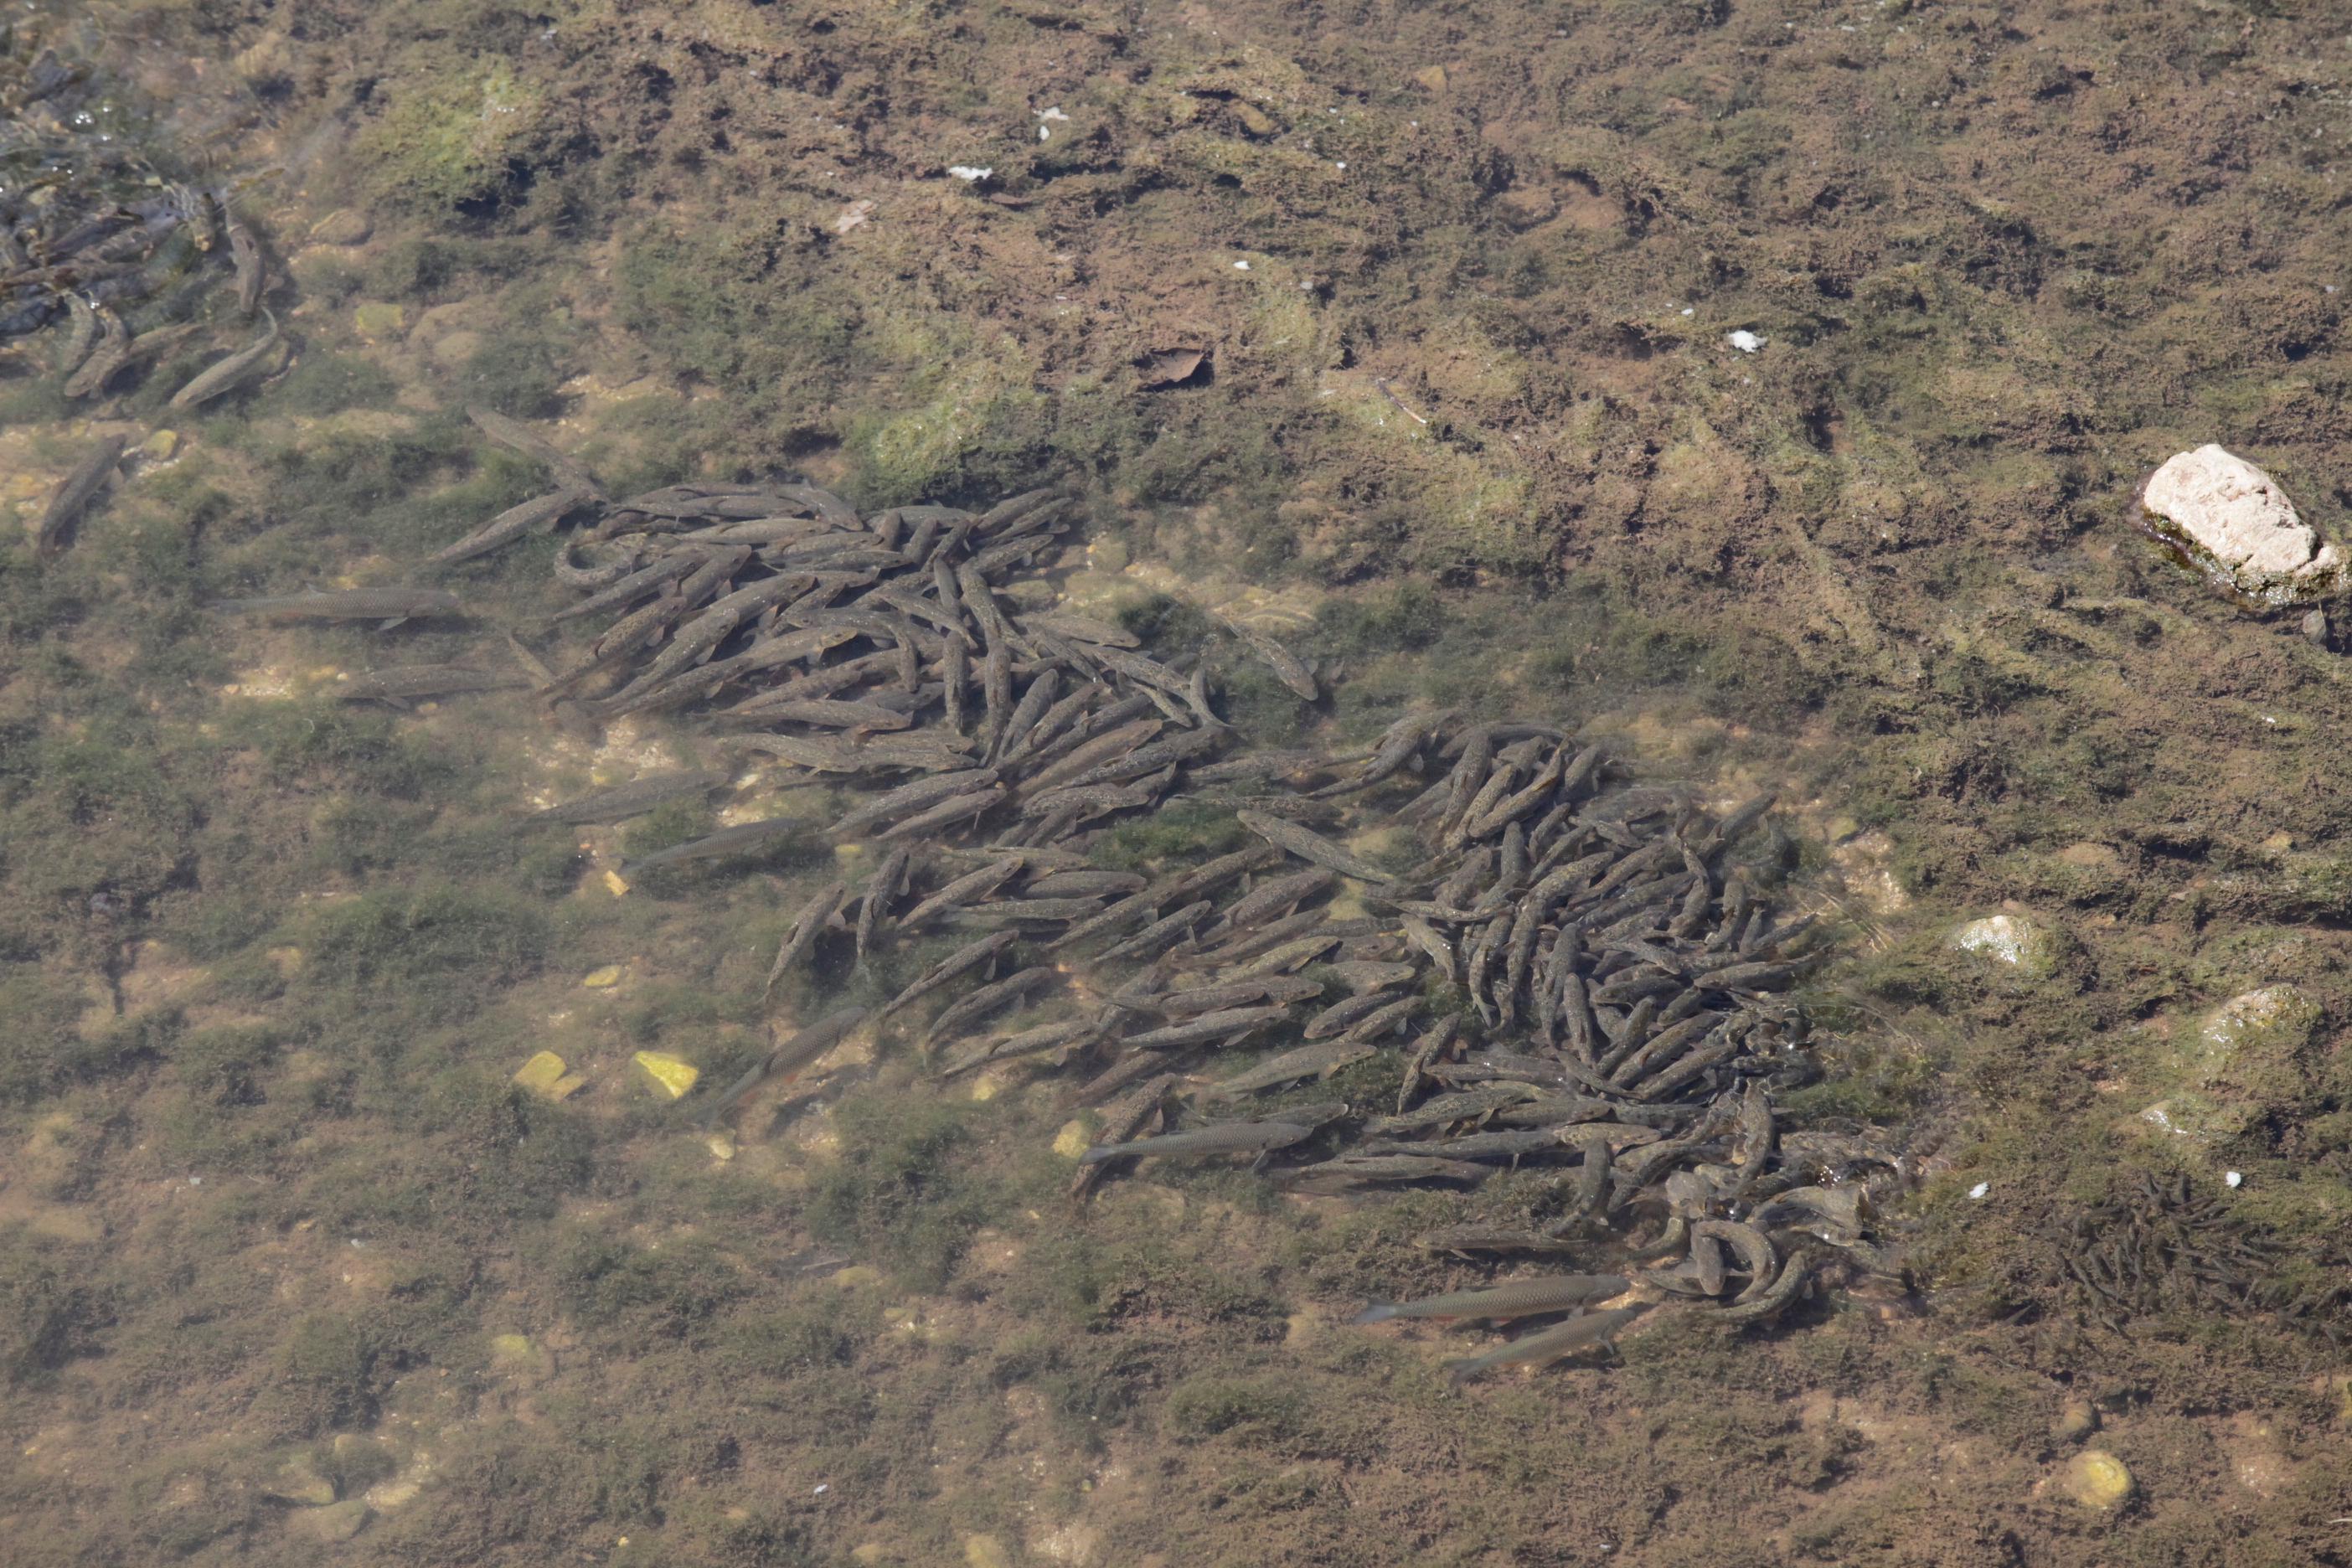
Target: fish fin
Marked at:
394, 621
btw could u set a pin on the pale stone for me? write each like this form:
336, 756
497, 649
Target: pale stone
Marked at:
298, 1480
2096, 1479
343, 226
336, 1521
2237, 520
2024, 945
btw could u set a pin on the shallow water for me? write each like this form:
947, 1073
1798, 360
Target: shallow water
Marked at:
291, 1269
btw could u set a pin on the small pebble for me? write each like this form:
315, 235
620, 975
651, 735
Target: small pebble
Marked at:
1980, 1189
1745, 342
2235, 1179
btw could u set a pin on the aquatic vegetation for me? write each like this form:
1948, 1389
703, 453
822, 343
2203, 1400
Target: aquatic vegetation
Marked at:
457, 147
898, 1192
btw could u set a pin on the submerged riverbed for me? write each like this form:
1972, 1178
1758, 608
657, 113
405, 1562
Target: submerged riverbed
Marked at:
1760, 394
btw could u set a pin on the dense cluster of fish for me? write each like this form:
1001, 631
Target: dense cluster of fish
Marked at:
1572, 971
118, 264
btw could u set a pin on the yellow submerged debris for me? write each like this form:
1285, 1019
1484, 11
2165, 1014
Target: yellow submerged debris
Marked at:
1072, 1141
602, 979
541, 1075
613, 880
672, 1074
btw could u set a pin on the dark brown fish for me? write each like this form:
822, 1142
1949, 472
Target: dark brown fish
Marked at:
1519, 1298
634, 798
74, 493
1549, 1345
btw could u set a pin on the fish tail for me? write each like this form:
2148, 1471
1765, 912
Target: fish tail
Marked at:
1378, 1312
1460, 1370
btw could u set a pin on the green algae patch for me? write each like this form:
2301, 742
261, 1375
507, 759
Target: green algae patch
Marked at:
973, 406
447, 146
2242, 1063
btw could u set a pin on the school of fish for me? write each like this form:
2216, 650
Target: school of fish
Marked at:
1567, 971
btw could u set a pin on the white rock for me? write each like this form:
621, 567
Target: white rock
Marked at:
969, 175
1980, 1189
1745, 342
2023, 944
2235, 1178
2234, 520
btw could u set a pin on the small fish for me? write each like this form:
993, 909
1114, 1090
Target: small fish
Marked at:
1464, 1240
972, 804
1144, 1107
1084, 884
789, 1057
1232, 1138
888, 881
1280, 991
967, 889
1549, 1345
537, 514
912, 797
1232, 1023
1091, 753
733, 840
1061, 623
1310, 845
806, 926
112, 354
82, 337
964, 959
226, 373
74, 493
389, 606
639, 796
1275, 897
403, 684
1286, 666
1029, 910
829, 714
1519, 1298
1162, 934
1469, 1105
988, 999
252, 275
1319, 1061
1398, 744
1343, 1016
1352, 1171
1028, 1042
513, 434
1783, 1289
1025, 713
